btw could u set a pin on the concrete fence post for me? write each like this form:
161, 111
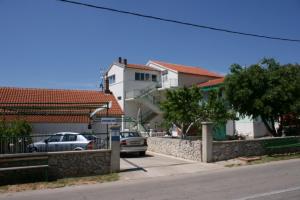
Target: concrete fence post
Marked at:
207, 142
115, 148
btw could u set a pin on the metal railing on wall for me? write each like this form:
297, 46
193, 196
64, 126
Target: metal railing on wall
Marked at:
49, 143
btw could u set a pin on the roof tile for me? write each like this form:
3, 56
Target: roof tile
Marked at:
188, 69
59, 97
211, 82
140, 67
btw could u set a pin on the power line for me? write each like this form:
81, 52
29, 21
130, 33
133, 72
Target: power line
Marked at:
180, 22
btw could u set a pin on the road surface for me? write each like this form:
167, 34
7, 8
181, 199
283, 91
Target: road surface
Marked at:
277, 180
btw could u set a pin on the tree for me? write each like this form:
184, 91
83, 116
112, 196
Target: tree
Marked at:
184, 107
16, 128
267, 90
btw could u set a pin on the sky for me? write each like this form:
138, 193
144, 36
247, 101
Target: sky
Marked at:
51, 44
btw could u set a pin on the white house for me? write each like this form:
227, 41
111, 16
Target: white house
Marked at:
140, 88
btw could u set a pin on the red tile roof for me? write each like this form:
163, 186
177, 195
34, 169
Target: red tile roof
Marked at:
140, 67
188, 69
211, 82
59, 98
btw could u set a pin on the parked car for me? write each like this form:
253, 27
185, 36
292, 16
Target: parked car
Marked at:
133, 142
100, 143
63, 141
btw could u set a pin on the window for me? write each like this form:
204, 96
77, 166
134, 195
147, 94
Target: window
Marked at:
154, 78
54, 138
137, 76
129, 134
112, 79
147, 77
69, 138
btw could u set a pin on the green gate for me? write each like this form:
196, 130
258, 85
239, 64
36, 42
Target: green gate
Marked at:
219, 131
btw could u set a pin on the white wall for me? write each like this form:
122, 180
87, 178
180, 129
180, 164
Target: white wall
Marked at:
172, 80
130, 84
230, 127
189, 79
117, 88
244, 126
50, 128
259, 128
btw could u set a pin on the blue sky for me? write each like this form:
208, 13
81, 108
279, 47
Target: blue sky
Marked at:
50, 44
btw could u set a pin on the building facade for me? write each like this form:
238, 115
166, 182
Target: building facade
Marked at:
140, 88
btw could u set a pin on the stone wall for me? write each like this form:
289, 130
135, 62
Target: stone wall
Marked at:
79, 163
60, 164
221, 150
224, 150
187, 149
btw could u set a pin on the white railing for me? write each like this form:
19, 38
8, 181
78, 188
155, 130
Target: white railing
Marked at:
140, 92
170, 83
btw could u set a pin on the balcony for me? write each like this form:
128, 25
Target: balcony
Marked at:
169, 83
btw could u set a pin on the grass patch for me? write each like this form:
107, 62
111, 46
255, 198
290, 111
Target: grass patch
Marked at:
276, 157
60, 183
233, 165
264, 159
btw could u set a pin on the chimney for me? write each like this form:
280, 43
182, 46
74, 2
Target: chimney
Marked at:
120, 60
125, 62
106, 91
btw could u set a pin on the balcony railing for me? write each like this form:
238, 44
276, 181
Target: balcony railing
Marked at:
170, 83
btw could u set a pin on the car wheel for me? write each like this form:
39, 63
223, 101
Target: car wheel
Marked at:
142, 153
33, 150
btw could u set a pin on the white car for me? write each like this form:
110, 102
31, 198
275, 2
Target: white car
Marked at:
133, 142
63, 141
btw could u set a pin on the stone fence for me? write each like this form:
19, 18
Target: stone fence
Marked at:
224, 150
27, 167
187, 149
79, 163
221, 150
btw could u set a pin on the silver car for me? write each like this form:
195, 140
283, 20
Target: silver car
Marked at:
133, 142
63, 141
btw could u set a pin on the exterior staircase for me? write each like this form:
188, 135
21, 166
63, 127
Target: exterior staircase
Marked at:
147, 98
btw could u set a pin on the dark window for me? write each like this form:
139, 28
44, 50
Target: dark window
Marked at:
147, 77
112, 79
119, 98
68, 138
142, 76
137, 76
154, 78
129, 134
54, 138
90, 137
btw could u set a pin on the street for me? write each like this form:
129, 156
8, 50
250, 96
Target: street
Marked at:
276, 180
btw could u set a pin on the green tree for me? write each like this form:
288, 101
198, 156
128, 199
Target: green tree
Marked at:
267, 90
185, 107
16, 128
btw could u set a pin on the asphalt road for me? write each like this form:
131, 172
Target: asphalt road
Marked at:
277, 180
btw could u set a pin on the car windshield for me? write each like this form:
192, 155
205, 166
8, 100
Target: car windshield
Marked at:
129, 134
